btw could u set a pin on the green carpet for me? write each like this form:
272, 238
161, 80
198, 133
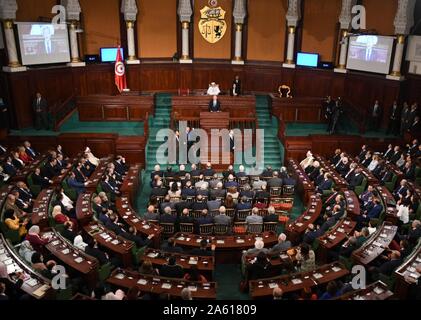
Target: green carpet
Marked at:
74, 125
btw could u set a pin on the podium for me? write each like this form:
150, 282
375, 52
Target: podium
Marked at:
214, 120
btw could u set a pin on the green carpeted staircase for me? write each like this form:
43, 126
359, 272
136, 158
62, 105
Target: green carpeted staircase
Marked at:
274, 150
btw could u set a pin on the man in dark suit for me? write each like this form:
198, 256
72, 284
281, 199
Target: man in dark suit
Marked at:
401, 190
9, 168
167, 216
373, 213
393, 125
326, 184
415, 129
40, 107
356, 179
172, 270
30, 151
172, 247
79, 187
396, 154
363, 152
275, 182
236, 87
214, 105
3, 150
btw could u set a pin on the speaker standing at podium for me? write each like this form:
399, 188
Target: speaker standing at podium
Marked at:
215, 105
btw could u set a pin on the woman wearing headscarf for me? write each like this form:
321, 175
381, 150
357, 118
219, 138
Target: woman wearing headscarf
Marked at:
13, 223
26, 251
12, 286
60, 218
35, 239
91, 158
79, 243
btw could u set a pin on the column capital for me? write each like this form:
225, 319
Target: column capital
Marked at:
240, 11
293, 15
404, 18
185, 11
345, 17
129, 9
73, 9
8, 9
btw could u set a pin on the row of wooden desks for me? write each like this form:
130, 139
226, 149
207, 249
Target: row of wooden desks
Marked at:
376, 244
96, 176
158, 258
22, 174
408, 269
335, 237
131, 218
34, 284
40, 210
305, 186
109, 241
73, 257
389, 204
228, 248
159, 285
130, 184
296, 229
352, 203
298, 281
375, 291
329, 168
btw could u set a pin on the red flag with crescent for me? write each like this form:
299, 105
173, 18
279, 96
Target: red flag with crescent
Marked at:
120, 72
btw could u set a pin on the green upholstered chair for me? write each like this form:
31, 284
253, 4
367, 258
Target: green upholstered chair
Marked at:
361, 188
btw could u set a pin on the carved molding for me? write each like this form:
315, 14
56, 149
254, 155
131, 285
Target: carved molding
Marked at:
240, 11
73, 9
404, 19
8, 9
185, 10
129, 9
293, 15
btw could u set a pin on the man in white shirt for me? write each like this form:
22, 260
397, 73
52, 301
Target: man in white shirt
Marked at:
214, 89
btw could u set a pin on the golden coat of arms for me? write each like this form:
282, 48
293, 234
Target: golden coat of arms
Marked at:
212, 24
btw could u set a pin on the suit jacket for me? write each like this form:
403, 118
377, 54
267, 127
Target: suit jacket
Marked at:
325, 185
40, 180
237, 89
99, 254
356, 180
254, 219
275, 183
25, 195
222, 219
395, 157
167, 218
31, 152
171, 271
214, 108
374, 213
9, 169
43, 105
78, 186
388, 267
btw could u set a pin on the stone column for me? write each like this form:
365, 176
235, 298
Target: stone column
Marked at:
293, 16
130, 11
345, 19
404, 20
185, 12
239, 15
8, 10
73, 11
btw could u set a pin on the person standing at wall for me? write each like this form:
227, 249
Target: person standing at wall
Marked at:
40, 107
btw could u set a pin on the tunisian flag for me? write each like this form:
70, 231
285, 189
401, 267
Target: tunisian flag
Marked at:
120, 72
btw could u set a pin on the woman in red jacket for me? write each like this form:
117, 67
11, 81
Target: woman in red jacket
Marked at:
24, 156
37, 242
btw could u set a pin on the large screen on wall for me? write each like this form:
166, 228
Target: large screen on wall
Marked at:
43, 43
370, 53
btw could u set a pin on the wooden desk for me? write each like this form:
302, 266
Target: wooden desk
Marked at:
352, 203
375, 245
305, 186
159, 285
84, 212
73, 257
295, 229
40, 210
335, 237
389, 204
228, 248
214, 120
130, 184
34, 284
115, 108
119, 246
297, 281
297, 109
329, 168
375, 291
130, 216
4, 192
407, 269
96, 176
205, 264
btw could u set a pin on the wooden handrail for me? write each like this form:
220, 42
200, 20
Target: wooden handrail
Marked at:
63, 111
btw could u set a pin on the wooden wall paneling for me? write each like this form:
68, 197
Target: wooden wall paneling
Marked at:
20, 99
165, 77
115, 113
132, 148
